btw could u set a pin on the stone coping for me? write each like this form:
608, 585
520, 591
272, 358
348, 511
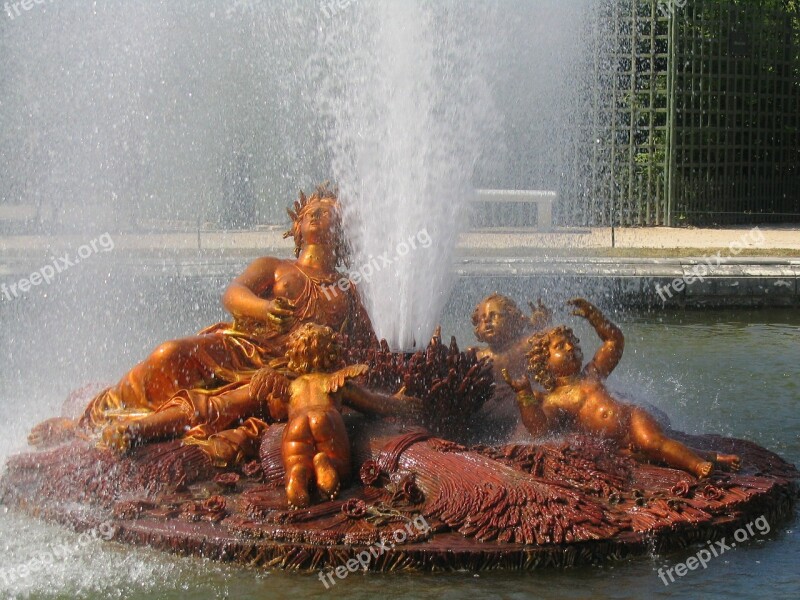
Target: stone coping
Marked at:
689, 281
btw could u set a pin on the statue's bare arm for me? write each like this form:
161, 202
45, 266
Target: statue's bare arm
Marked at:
530, 405
383, 405
243, 298
609, 354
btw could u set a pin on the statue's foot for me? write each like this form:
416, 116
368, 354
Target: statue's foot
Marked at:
328, 482
52, 431
297, 487
117, 437
703, 469
730, 462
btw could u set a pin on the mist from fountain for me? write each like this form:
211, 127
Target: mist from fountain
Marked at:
158, 116
418, 101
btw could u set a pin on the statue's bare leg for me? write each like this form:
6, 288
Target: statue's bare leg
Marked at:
298, 452
165, 424
184, 411
224, 449
729, 461
193, 362
332, 462
328, 482
121, 436
230, 447
647, 437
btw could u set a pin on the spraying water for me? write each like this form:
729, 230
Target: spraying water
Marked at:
406, 95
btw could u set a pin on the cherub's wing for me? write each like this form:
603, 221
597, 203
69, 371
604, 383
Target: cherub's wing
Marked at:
340, 377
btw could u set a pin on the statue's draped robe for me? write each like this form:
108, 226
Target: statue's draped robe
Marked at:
194, 373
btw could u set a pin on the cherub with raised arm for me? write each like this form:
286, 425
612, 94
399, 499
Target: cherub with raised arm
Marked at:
578, 398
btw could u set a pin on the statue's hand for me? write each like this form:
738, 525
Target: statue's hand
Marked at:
518, 385
117, 437
268, 382
541, 316
582, 307
272, 389
408, 406
280, 313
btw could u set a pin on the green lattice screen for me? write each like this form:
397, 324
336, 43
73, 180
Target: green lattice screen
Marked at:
692, 112
736, 94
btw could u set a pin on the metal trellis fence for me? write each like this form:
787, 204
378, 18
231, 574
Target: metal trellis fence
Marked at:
691, 115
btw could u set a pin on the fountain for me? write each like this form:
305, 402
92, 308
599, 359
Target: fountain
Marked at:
403, 136
258, 459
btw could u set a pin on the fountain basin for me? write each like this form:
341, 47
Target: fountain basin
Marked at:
562, 502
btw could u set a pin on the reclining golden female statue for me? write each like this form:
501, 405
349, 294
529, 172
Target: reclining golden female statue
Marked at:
269, 300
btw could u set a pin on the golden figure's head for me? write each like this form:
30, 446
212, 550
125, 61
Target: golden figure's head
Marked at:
313, 348
553, 354
498, 321
316, 219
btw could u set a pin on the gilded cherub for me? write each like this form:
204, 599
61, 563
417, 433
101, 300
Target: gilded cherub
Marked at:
501, 325
579, 398
315, 443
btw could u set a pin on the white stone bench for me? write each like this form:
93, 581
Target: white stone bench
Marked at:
543, 199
